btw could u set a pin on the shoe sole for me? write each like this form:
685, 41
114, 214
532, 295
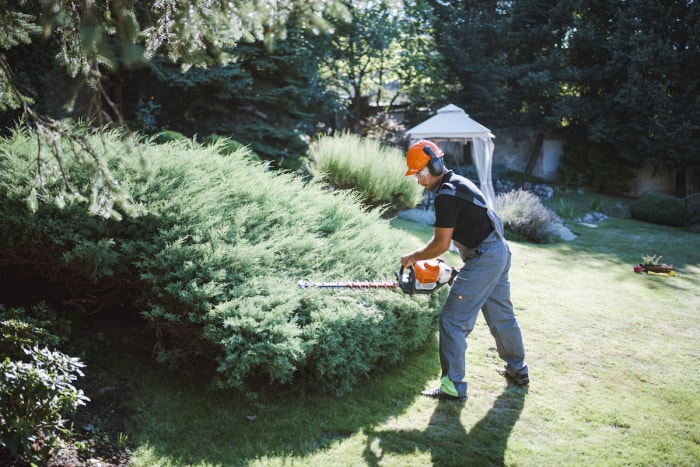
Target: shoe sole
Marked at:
518, 381
442, 396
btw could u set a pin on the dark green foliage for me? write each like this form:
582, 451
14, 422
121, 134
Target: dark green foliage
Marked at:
146, 117
534, 31
267, 99
525, 217
474, 53
213, 267
659, 209
34, 65
692, 209
594, 167
225, 145
22, 330
36, 382
633, 80
503, 59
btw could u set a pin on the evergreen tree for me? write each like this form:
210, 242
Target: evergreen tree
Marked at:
505, 58
635, 72
537, 31
470, 36
95, 39
267, 98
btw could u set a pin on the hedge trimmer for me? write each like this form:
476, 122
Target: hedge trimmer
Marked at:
423, 277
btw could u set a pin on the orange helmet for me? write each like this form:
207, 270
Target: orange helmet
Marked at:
417, 157
428, 271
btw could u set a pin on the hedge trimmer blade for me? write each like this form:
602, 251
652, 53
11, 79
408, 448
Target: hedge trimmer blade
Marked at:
423, 277
348, 285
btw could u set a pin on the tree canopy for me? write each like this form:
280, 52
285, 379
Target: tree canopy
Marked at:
622, 74
93, 39
635, 74
617, 73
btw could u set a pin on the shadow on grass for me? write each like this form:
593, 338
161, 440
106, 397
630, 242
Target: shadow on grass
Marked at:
178, 422
447, 440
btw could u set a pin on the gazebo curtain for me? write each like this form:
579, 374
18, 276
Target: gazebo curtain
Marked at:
482, 156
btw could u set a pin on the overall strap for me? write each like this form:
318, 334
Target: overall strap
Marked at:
473, 196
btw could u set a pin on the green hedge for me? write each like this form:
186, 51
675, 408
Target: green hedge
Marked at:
595, 167
213, 267
658, 208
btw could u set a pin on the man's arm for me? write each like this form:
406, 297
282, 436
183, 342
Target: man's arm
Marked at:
436, 246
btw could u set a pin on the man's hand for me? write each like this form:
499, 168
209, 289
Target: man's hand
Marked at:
436, 246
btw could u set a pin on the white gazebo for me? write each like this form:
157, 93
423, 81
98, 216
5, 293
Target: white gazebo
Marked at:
452, 124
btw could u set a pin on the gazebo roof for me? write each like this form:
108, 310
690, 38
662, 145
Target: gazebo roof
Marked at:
450, 122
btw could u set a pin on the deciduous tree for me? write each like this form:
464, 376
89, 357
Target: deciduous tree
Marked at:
384, 56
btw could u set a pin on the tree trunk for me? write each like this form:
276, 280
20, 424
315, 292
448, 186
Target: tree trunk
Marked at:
680, 182
534, 154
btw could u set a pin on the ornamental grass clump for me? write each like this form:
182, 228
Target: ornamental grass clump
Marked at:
212, 267
525, 217
374, 170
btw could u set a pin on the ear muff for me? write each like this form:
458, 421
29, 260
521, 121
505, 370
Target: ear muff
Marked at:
436, 166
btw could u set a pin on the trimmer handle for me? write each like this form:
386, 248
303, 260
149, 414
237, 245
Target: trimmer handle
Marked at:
407, 283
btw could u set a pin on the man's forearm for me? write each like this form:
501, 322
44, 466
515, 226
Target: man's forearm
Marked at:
436, 246
429, 251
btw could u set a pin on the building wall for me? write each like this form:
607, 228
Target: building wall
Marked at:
552, 150
647, 182
512, 149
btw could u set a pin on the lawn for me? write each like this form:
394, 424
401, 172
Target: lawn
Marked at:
614, 362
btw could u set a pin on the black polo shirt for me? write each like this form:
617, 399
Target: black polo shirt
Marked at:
470, 222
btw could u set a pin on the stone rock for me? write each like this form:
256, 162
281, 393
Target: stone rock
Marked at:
564, 232
593, 217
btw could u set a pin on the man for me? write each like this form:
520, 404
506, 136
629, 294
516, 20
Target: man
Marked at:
462, 217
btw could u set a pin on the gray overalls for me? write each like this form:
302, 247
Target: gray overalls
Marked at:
482, 284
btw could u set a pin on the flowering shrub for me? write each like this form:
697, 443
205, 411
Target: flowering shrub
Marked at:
525, 217
36, 387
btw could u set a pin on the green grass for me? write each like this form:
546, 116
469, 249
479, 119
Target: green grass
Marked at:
613, 361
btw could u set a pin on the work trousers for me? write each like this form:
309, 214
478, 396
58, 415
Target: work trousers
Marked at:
482, 284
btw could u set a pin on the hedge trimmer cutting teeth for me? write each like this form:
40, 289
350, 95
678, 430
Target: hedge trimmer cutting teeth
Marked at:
423, 277
348, 285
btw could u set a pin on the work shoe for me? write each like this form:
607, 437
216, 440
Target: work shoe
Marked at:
519, 380
439, 394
